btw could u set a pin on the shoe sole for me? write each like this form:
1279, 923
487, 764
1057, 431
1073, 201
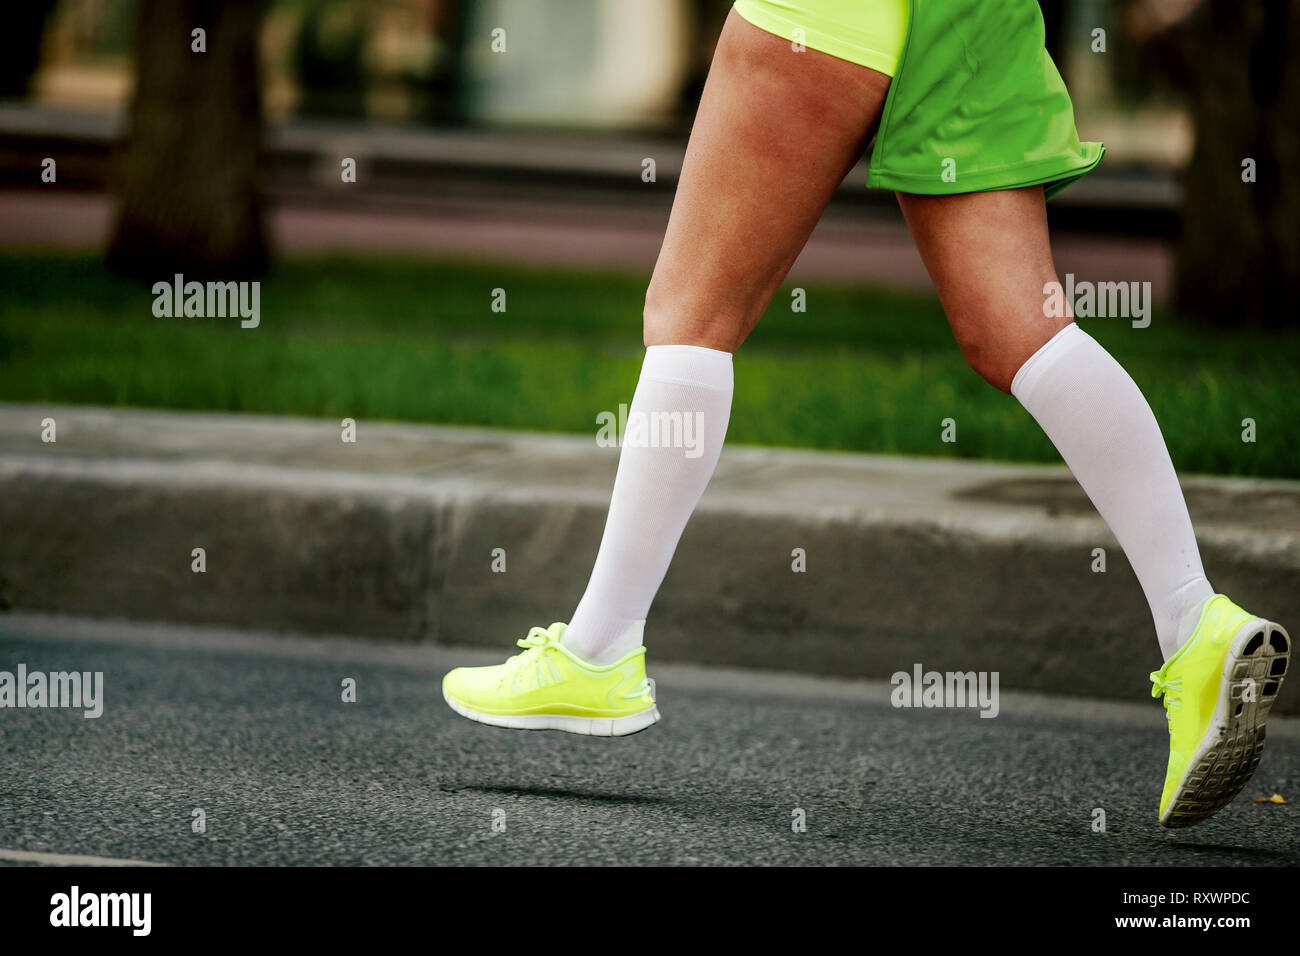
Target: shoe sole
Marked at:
1230, 751
587, 726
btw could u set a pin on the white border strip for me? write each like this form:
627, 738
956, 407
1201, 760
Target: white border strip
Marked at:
69, 859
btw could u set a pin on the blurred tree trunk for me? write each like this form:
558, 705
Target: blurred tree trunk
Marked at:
449, 22
1238, 259
190, 177
20, 45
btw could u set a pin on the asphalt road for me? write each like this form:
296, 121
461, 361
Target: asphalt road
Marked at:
252, 730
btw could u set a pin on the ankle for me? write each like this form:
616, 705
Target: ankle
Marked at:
604, 649
1198, 594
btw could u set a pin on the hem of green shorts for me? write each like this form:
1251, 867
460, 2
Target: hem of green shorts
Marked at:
820, 35
1053, 172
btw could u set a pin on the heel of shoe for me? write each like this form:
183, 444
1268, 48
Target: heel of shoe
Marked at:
1256, 666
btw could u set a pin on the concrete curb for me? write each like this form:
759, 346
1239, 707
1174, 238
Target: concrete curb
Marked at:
956, 565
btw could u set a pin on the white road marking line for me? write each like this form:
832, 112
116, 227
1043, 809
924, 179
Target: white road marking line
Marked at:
69, 859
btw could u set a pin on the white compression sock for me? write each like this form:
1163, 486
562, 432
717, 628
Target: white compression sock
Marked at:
683, 400
1104, 429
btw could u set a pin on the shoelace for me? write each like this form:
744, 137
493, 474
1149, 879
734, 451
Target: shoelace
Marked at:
533, 643
1171, 689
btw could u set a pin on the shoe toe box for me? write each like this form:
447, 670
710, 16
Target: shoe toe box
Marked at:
472, 684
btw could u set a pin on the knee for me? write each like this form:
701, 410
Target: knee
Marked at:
673, 320
996, 365
657, 320
997, 345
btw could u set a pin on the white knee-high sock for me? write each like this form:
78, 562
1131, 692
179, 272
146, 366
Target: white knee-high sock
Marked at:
683, 402
1104, 429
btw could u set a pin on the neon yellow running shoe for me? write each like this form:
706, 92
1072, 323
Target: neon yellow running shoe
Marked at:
1218, 689
547, 688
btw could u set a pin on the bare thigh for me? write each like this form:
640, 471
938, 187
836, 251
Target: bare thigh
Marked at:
775, 135
989, 256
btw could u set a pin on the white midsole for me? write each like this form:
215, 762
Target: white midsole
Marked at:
589, 726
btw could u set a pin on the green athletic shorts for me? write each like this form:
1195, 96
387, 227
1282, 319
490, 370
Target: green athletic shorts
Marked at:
975, 104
